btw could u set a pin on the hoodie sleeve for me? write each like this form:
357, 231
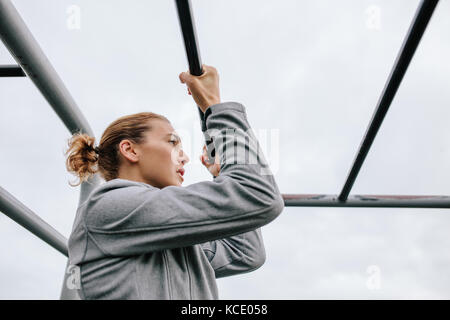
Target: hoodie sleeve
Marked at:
237, 254
139, 218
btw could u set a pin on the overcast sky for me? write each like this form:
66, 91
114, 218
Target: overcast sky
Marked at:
309, 73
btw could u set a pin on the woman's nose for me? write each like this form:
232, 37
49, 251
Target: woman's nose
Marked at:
184, 157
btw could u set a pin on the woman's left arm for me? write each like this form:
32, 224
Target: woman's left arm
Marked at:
237, 254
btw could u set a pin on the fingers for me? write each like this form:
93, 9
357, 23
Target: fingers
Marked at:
210, 70
206, 68
185, 77
214, 168
203, 156
203, 161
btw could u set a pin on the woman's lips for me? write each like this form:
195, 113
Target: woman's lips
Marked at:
179, 174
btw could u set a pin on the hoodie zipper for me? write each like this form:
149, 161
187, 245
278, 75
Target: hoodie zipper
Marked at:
166, 264
188, 272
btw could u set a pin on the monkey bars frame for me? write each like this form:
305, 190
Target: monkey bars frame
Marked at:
33, 63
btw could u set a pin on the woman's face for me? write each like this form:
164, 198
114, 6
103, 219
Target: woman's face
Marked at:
157, 160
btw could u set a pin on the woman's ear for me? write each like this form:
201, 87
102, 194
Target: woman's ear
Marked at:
128, 151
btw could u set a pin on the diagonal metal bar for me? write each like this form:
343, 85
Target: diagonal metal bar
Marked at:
18, 212
367, 201
412, 39
11, 71
28, 54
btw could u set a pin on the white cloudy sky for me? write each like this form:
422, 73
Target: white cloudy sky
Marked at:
311, 71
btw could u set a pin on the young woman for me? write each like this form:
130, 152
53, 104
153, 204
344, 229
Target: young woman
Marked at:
141, 235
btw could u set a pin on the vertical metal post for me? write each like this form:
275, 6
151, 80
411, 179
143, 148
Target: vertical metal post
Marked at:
187, 25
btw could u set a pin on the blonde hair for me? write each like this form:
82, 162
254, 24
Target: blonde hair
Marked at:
84, 160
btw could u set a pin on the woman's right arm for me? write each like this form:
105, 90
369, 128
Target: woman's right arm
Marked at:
138, 218
131, 218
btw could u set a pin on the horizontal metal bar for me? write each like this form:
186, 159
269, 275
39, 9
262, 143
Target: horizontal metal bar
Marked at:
28, 54
11, 71
409, 46
18, 212
367, 201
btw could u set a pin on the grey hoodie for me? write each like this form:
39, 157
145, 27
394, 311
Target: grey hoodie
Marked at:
135, 241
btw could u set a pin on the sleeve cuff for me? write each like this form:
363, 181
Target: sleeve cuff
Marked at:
216, 108
213, 109
230, 105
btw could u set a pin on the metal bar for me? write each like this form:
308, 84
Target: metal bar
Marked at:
11, 71
412, 39
18, 212
187, 25
28, 54
367, 201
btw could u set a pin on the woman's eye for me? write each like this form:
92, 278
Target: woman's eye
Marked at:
173, 141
